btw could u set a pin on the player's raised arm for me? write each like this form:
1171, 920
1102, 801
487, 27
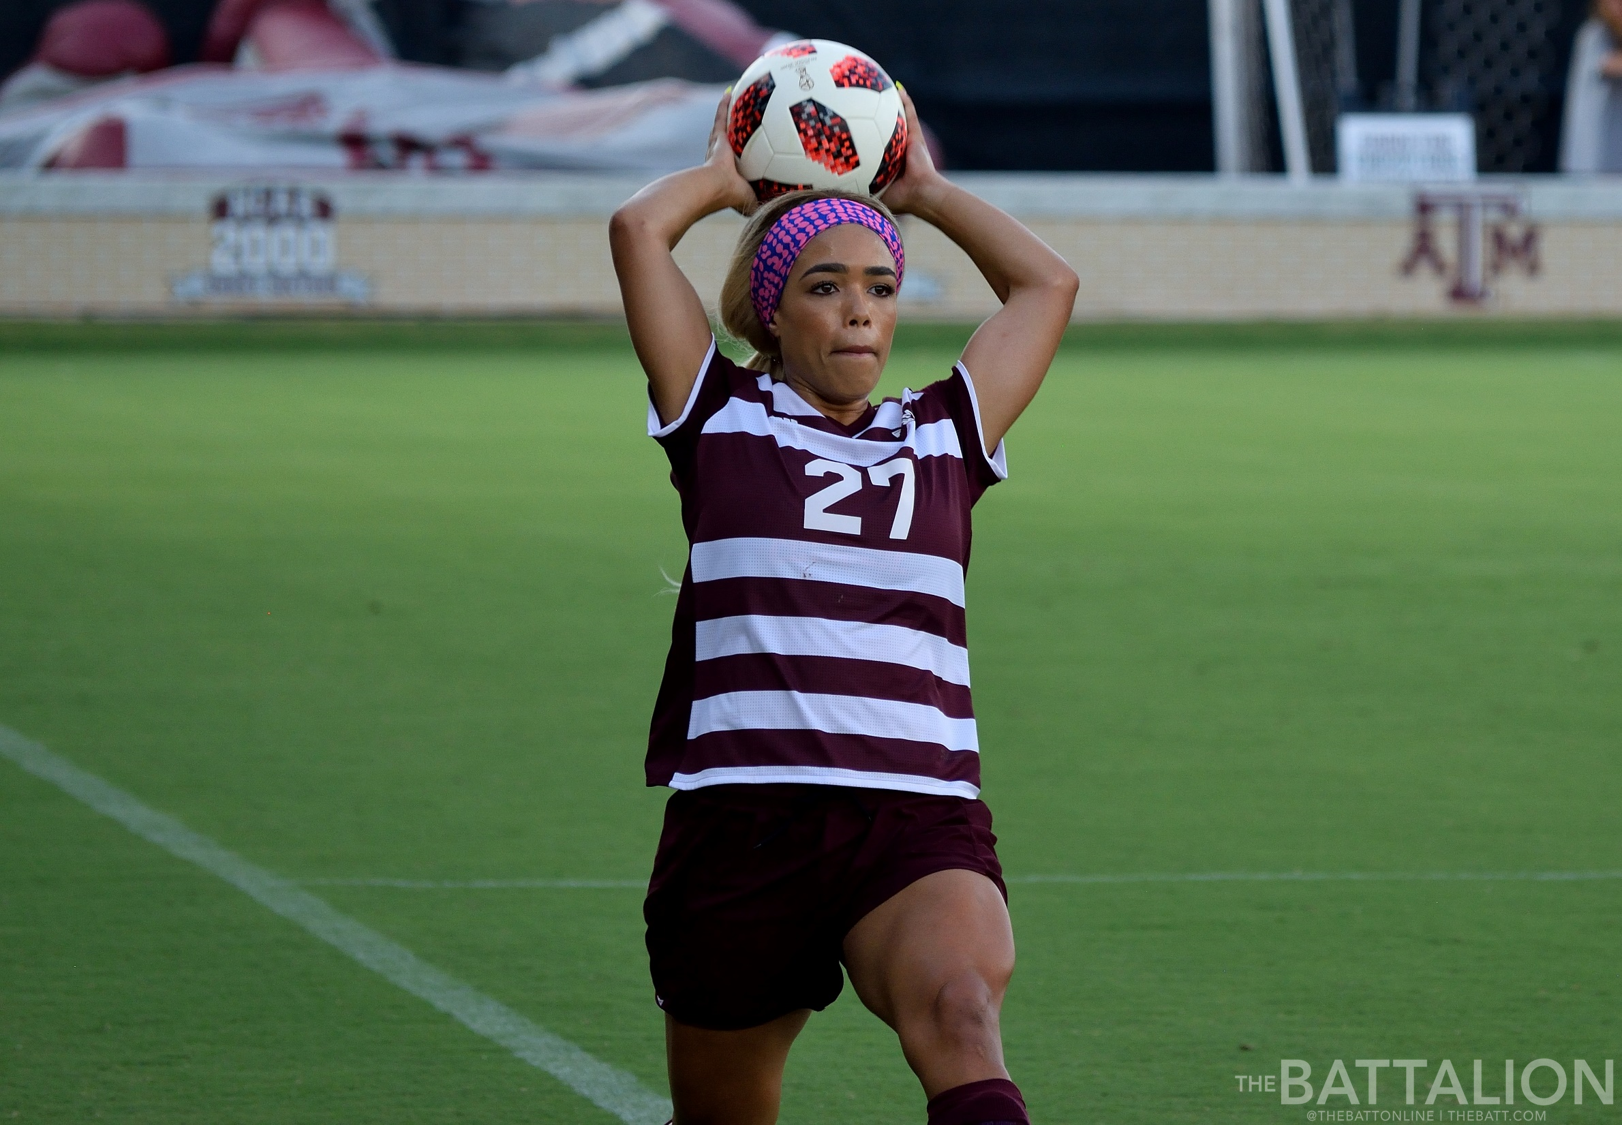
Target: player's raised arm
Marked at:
1010, 353
669, 328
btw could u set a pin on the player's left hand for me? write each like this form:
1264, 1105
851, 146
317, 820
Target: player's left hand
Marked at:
919, 178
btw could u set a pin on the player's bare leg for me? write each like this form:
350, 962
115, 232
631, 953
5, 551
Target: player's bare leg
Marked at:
934, 962
729, 1077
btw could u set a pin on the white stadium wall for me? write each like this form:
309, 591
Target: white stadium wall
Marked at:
1147, 247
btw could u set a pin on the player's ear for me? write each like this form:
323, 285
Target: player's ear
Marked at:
771, 326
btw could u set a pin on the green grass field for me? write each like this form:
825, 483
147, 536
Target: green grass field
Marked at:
385, 603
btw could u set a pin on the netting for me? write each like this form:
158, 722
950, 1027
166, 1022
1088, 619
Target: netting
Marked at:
1318, 51
1495, 58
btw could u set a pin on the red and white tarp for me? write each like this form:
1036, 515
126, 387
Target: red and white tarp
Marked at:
397, 116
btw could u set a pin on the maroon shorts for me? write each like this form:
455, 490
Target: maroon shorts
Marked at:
755, 887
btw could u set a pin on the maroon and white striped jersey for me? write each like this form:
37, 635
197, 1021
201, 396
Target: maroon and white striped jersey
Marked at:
819, 632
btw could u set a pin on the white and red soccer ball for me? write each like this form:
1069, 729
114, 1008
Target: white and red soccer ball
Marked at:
817, 114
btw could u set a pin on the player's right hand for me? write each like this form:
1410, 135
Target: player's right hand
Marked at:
736, 192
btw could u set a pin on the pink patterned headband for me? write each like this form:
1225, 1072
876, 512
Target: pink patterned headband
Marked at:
781, 247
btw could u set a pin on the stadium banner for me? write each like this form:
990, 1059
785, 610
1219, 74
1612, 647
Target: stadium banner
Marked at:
396, 117
140, 243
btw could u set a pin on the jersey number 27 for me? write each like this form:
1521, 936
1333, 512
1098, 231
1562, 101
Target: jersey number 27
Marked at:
819, 518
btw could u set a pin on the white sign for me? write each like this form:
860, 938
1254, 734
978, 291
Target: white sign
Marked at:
1410, 148
272, 243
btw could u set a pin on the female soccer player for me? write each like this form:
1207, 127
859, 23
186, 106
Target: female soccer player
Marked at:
814, 718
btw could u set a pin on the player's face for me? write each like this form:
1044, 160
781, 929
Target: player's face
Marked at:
837, 317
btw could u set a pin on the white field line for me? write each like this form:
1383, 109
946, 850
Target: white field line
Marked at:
481, 884
605, 1086
1148, 877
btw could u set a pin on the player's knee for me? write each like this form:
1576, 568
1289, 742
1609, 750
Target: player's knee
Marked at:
966, 1008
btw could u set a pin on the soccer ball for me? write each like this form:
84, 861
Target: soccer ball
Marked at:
817, 114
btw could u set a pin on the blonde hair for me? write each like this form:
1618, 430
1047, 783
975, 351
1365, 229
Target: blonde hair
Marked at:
738, 314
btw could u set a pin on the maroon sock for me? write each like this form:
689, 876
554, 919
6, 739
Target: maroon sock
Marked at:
995, 1101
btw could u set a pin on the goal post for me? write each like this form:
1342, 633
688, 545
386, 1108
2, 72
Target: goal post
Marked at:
1292, 119
1249, 40
1239, 129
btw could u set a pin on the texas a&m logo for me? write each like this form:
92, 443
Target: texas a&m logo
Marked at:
1492, 235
